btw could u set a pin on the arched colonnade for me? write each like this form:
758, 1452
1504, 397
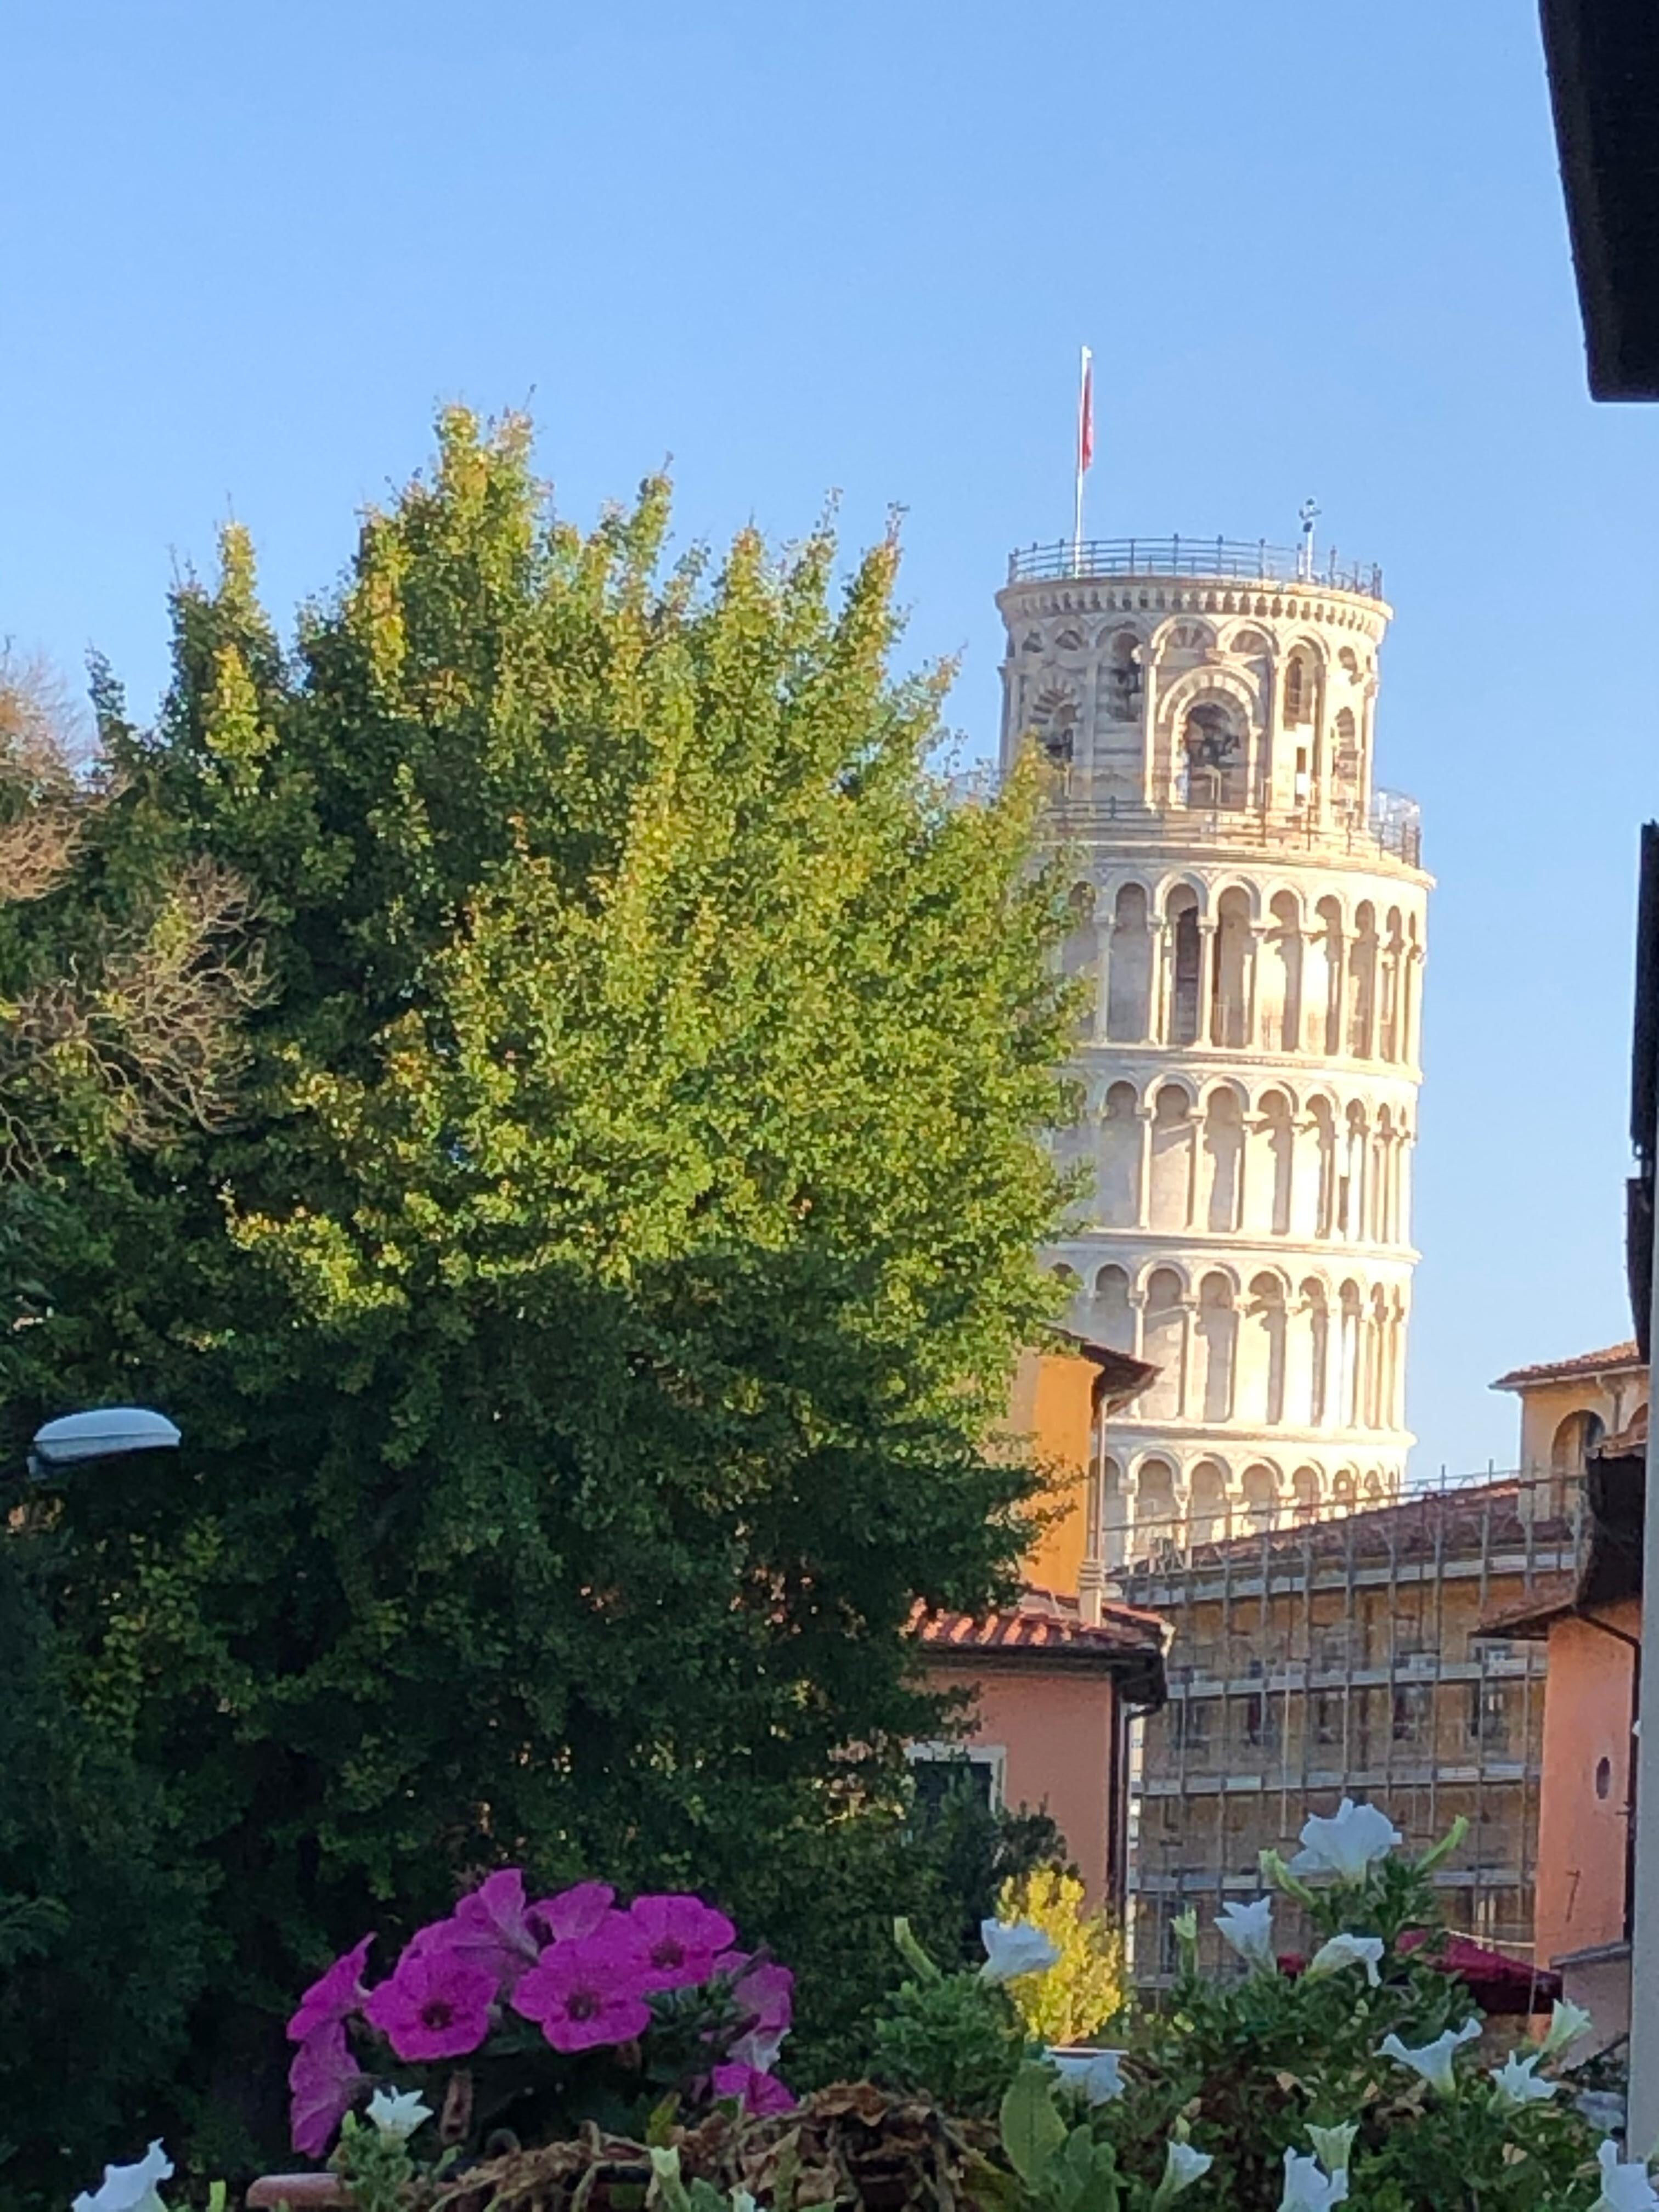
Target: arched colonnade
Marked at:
1261, 1348
1169, 1154
1242, 969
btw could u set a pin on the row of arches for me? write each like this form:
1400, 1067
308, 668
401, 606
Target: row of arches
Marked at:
1305, 655
1238, 719
1271, 1351
1173, 1161
1237, 977
1156, 1501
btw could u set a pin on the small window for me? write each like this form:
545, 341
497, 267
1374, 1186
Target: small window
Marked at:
1297, 689
1413, 1714
942, 1772
1489, 1715
1189, 1723
1260, 1723
1603, 1778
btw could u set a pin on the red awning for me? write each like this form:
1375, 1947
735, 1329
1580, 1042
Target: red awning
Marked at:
1498, 1983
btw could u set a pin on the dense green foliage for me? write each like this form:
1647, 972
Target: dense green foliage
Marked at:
1238, 2070
587, 1334
101, 1930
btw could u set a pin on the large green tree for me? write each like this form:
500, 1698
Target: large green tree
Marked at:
587, 1339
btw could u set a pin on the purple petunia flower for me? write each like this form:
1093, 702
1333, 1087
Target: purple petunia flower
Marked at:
491, 1927
324, 2080
583, 1909
586, 1991
332, 1995
763, 1993
436, 2005
682, 1937
761, 2093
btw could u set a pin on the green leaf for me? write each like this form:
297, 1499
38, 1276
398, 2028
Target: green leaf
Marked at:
1032, 2130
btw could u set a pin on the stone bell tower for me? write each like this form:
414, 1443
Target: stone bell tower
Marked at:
1251, 915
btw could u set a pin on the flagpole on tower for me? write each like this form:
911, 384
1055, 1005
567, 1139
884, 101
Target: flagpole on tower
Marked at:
1085, 449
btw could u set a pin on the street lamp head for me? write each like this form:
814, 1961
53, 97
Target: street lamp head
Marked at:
110, 1433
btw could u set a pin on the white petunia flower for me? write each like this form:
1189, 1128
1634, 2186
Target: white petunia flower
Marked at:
1347, 1951
1182, 2166
1517, 2084
1014, 1949
1099, 2074
127, 2188
1567, 2023
1335, 2145
1308, 2188
1346, 1843
1250, 1930
1624, 2187
1433, 2061
398, 2112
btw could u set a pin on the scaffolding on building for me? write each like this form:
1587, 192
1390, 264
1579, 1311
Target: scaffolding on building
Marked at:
1344, 1657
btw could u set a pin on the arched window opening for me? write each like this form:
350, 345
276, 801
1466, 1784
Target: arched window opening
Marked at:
1298, 690
1376, 1342
1304, 1488
1346, 765
1165, 1345
1317, 1313
1156, 1533
1348, 1357
1362, 984
1112, 1318
1187, 950
1054, 718
1323, 1118
1129, 980
1229, 996
1224, 1160
1280, 996
1266, 1357
1173, 1130
1260, 1487
1574, 1440
1217, 1349
1326, 982
1124, 675
1119, 1173
1212, 746
1207, 1515
1080, 951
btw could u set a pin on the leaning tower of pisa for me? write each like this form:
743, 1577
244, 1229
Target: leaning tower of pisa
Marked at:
1250, 915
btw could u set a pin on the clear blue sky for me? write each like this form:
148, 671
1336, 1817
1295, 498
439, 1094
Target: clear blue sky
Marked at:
248, 248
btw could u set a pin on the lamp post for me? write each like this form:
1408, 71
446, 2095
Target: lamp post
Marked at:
109, 1433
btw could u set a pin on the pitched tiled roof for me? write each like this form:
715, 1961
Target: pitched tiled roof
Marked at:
1530, 1616
1045, 1628
1613, 1356
1122, 1377
1459, 1521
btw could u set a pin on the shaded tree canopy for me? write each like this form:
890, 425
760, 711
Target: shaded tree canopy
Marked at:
586, 1332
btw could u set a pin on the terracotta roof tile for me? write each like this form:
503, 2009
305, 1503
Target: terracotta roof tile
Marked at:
1613, 1356
1041, 1621
1423, 1524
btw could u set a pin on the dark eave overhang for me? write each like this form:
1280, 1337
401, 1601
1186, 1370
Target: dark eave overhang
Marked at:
1602, 57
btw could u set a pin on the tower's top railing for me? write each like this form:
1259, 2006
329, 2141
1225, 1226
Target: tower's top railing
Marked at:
1392, 829
1233, 558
